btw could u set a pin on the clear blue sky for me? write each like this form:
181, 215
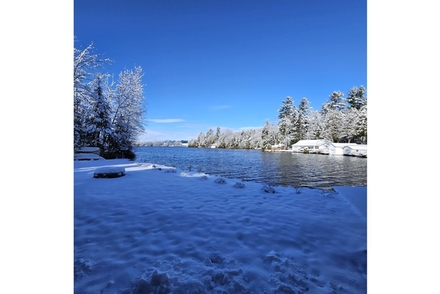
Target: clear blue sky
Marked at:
227, 63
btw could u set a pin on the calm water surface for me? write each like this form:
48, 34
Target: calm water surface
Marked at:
273, 168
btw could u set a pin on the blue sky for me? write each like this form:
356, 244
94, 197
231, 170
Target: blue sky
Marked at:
227, 63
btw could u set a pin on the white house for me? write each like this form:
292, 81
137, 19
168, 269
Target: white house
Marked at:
358, 150
337, 148
277, 147
313, 146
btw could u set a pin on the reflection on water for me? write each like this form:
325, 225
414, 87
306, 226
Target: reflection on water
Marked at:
274, 168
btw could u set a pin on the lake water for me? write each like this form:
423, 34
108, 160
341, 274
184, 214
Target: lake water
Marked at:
273, 168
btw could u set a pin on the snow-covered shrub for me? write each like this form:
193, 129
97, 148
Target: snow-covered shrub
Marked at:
220, 181
239, 185
268, 189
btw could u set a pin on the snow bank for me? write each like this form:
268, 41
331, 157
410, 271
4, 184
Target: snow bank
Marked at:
161, 230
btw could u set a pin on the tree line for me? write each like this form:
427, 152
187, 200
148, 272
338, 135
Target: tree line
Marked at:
107, 114
341, 119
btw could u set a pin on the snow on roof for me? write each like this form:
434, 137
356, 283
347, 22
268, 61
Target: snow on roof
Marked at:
344, 144
309, 142
358, 147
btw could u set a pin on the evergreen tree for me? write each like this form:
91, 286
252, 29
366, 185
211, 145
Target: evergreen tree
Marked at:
303, 119
269, 135
361, 126
356, 97
192, 143
349, 124
98, 122
209, 138
265, 135
288, 115
217, 133
333, 125
335, 101
333, 113
84, 63
255, 139
201, 140
120, 145
316, 125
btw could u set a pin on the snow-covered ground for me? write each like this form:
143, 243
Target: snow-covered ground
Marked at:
161, 230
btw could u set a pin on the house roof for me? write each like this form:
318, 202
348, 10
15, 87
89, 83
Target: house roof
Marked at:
309, 143
358, 147
344, 144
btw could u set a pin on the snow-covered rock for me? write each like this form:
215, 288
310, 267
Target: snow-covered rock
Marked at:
109, 172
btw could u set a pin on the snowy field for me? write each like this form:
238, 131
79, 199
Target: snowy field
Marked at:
161, 230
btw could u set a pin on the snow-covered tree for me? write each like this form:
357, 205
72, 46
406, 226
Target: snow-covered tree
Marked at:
316, 125
335, 101
334, 122
242, 140
255, 138
356, 97
210, 138
269, 135
109, 116
217, 133
333, 114
128, 112
288, 119
357, 100
333, 125
85, 62
348, 125
226, 139
361, 128
201, 140
303, 119
98, 119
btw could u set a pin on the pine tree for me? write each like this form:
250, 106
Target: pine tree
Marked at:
333, 113
333, 125
201, 140
349, 124
316, 125
335, 101
288, 115
356, 97
84, 63
98, 121
265, 136
361, 126
269, 135
303, 119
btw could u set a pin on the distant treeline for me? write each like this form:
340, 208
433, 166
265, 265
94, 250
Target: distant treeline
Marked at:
167, 143
339, 120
